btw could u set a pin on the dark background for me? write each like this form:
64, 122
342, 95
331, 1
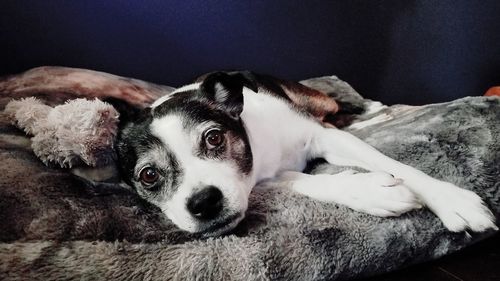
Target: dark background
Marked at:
399, 51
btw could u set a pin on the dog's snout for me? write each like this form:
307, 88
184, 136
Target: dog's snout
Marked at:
206, 204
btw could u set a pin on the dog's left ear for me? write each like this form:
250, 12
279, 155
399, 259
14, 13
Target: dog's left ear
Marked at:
226, 90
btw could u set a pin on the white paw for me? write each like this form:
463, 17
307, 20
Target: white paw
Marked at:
379, 194
459, 209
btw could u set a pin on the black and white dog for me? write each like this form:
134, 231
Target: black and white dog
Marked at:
198, 152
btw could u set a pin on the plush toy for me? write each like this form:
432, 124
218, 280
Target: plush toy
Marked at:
78, 132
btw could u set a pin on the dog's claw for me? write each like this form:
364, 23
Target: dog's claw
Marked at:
460, 209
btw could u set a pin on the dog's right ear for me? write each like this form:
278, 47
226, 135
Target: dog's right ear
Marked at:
226, 90
128, 112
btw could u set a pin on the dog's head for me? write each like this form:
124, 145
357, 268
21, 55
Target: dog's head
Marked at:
189, 154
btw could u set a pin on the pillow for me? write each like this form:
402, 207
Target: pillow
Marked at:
56, 225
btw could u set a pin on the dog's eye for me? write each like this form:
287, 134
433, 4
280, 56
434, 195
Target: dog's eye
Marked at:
148, 175
214, 138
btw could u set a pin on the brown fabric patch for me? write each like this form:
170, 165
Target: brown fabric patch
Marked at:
54, 85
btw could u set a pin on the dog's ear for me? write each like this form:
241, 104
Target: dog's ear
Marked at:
226, 90
128, 112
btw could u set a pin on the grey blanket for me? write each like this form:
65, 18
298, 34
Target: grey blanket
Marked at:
56, 226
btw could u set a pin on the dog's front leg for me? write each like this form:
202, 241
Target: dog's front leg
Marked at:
375, 193
457, 208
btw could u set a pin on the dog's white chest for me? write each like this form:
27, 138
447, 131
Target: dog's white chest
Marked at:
279, 136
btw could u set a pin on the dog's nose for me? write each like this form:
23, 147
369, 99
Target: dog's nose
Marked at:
206, 204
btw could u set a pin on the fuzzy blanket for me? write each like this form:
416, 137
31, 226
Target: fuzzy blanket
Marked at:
57, 226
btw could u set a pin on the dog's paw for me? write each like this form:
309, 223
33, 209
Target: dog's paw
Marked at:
459, 209
379, 194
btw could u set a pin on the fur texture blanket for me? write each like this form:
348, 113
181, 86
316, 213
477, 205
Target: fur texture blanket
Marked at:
57, 226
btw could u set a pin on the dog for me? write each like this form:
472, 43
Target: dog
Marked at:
198, 152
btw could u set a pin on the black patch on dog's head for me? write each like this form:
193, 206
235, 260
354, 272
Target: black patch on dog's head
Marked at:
195, 109
219, 99
134, 141
226, 90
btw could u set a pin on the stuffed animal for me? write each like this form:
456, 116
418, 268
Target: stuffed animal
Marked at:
77, 132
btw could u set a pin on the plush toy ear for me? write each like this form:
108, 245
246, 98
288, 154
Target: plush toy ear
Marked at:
226, 90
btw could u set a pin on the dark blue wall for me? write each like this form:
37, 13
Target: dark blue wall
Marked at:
395, 51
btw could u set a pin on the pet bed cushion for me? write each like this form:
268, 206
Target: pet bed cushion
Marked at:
55, 225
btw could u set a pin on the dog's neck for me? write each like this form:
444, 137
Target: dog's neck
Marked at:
275, 146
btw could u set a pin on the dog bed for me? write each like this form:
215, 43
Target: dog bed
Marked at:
57, 226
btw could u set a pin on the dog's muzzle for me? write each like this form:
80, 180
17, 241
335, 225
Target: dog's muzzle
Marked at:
206, 204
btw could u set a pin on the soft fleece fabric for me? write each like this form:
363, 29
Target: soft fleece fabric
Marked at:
57, 226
